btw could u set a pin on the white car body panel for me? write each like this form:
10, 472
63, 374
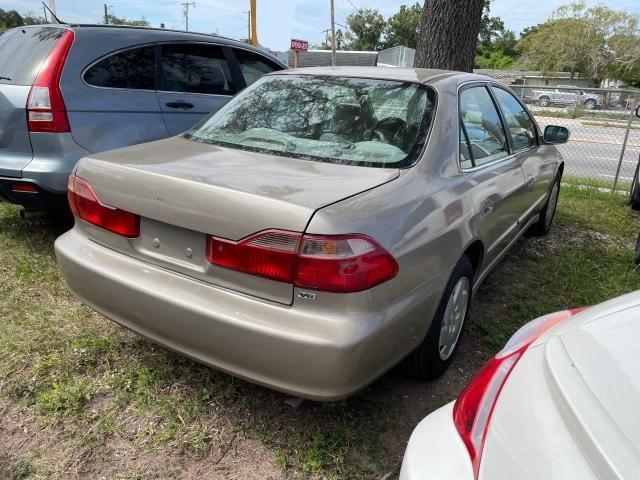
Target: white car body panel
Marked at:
568, 410
436, 450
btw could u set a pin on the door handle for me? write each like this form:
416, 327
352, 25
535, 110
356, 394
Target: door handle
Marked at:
486, 207
530, 180
180, 105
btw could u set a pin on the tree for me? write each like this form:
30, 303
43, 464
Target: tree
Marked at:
30, 18
448, 34
596, 42
366, 29
403, 28
115, 20
341, 41
496, 44
10, 19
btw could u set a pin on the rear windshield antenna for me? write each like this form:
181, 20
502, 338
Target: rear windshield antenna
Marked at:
53, 15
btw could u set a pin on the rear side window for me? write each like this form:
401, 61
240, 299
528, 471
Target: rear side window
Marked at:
482, 126
131, 69
254, 66
523, 131
23, 51
196, 68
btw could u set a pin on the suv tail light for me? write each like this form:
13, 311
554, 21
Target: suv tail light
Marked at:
86, 205
46, 111
330, 263
473, 408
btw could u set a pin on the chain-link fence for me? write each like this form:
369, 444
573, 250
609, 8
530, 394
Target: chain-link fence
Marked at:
604, 146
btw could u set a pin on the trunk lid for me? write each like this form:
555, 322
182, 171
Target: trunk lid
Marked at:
183, 190
22, 52
594, 375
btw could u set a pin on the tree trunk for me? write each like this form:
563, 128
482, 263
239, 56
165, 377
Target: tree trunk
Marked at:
448, 34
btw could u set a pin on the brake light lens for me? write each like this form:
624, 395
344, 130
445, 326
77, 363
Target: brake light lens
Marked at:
46, 111
86, 205
473, 408
330, 263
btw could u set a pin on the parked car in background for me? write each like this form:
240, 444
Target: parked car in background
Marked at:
67, 91
317, 229
559, 401
567, 95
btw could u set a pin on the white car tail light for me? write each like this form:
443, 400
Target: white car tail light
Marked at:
86, 205
473, 408
330, 263
46, 111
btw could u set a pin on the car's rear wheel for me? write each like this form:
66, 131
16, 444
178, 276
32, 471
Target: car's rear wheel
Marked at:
544, 101
590, 104
634, 194
435, 353
543, 225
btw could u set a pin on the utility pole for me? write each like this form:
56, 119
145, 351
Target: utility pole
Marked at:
248, 26
186, 6
254, 21
106, 15
52, 6
333, 35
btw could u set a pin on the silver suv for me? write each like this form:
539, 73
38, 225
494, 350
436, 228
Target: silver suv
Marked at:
69, 91
567, 95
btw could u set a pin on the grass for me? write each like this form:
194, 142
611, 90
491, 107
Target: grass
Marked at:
610, 125
581, 113
79, 395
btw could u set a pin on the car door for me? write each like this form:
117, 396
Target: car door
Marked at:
114, 103
538, 164
494, 174
195, 79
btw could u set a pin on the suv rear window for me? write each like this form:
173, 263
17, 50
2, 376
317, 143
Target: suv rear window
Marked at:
133, 69
23, 51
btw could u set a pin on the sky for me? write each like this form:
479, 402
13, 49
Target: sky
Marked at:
278, 20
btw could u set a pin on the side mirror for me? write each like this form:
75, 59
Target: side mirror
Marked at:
555, 135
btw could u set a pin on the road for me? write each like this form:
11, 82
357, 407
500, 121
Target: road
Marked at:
594, 151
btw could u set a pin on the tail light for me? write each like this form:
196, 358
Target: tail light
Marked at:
46, 111
86, 205
473, 408
330, 263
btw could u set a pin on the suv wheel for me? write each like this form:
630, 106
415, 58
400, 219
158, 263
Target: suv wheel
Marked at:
544, 101
435, 353
543, 225
590, 104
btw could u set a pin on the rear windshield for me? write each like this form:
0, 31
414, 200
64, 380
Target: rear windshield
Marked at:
22, 52
356, 121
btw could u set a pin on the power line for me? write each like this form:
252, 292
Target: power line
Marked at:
353, 5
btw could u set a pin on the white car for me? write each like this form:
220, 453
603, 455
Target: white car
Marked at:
560, 401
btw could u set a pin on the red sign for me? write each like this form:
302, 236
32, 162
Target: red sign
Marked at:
299, 45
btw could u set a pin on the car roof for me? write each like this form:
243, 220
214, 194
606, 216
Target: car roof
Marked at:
164, 35
414, 75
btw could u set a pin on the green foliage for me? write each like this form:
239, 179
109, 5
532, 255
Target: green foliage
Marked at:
115, 20
496, 44
495, 60
403, 28
598, 42
365, 30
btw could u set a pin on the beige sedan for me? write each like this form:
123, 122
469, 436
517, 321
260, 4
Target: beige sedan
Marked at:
321, 227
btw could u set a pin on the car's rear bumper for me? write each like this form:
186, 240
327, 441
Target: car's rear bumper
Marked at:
436, 451
317, 357
31, 195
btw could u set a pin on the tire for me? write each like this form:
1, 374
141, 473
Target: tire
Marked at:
634, 194
544, 101
430, 359
590, 104
637, 257
543, 225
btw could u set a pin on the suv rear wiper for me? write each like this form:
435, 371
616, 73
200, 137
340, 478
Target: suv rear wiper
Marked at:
5, 78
